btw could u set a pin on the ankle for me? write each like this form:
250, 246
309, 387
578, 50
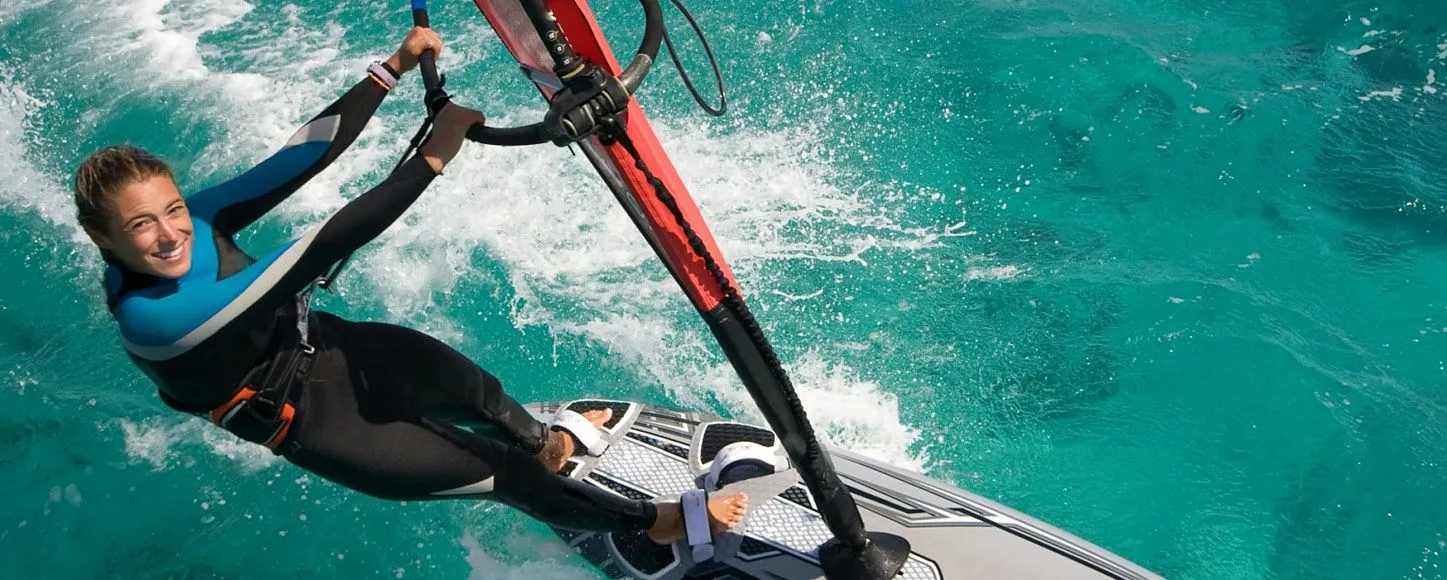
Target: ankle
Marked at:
554, 451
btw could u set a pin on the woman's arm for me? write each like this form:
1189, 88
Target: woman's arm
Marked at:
365, 218
240, 201
160, 324
237, 203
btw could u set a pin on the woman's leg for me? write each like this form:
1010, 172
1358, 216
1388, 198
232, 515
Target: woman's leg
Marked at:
362, 425
359, 425
418, 375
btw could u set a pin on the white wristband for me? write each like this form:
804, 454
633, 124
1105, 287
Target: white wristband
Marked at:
380, 73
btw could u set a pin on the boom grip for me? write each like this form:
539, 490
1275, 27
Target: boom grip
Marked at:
427, 61
508, 136
552, 129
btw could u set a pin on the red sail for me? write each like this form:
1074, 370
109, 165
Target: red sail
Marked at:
615, 164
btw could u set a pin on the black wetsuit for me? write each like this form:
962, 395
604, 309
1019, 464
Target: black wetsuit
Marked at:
376, 410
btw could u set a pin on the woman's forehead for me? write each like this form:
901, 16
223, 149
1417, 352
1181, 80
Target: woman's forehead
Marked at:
154, 191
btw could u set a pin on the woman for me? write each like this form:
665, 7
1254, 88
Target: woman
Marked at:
369, 406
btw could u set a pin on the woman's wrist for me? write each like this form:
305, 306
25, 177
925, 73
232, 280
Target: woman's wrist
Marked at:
435, 162
438, 151
394, 63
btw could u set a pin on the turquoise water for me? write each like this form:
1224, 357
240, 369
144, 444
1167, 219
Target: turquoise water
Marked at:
1169, 275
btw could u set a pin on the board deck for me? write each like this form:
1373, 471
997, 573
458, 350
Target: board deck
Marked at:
660, 453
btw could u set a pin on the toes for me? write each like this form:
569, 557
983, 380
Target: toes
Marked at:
598, 416
729, 511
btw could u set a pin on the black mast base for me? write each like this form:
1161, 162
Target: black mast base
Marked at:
881, 558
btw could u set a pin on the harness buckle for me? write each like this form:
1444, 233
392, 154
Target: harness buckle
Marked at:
261, 411
252, 418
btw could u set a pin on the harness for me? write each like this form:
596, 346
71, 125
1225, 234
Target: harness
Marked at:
261, 410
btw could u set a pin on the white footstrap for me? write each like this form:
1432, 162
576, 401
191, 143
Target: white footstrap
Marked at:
695, 524
583, 429
735, 452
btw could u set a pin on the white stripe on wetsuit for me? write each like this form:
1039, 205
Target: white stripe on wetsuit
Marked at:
484, 486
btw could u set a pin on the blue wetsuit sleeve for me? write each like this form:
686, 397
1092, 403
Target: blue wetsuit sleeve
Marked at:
240, 201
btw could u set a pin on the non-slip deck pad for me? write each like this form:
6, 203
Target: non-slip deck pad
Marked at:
641, 465
624, 414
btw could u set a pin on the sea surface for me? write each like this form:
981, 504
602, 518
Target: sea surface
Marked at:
1169, 275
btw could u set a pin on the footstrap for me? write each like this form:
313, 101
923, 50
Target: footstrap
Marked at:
695, 524
583, 430
741, 452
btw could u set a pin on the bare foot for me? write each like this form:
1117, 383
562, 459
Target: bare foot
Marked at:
561, 445
724, 512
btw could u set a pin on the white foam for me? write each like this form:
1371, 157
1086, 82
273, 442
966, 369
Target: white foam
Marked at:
485, 567
798, 297
20, 377
247, 457
108, 38
847, 410
170, 40
12, 9
993, 273
288, 75
150, 440
160, 441
22, 185
1361, 50
1431, 88
1395, 94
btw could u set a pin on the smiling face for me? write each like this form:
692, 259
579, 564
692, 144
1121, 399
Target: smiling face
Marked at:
127, 201
148, 229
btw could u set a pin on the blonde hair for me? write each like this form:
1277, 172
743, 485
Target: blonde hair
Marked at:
104, 174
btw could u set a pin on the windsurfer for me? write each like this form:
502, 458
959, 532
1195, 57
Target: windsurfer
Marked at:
377, 408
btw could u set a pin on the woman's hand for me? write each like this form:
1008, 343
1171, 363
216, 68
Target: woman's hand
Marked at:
418, 41
448, 130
